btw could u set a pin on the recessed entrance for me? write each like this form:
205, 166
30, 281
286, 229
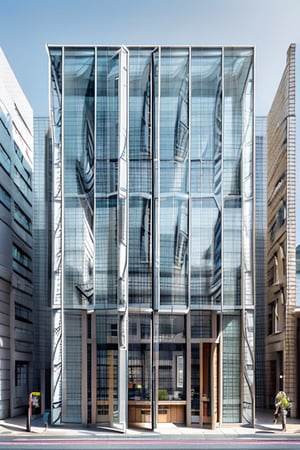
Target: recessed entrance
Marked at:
204, 384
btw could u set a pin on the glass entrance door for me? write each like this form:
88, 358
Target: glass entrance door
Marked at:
107, 377
195, 383
204, 383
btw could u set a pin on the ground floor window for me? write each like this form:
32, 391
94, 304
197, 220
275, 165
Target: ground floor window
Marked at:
171, 372
21, 373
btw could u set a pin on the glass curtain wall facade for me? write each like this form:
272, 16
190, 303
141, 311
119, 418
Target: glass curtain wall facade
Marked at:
153, 281
260, 252
42, 180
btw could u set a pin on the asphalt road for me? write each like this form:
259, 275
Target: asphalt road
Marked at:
153, 444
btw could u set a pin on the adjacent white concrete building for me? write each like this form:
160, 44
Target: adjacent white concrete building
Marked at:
16, 321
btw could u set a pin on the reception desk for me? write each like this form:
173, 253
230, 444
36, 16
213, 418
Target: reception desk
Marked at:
168, 411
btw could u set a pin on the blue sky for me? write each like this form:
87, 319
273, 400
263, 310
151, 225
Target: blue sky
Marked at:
26, 26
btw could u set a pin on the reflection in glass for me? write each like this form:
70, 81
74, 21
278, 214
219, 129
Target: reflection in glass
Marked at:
206, 253
140, 180
79, 175
139, 358
173, 251
107, 368
107, 167
173, 210
174, 145
171, 371
232, 252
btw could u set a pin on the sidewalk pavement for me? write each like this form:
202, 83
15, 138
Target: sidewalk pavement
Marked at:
263, 426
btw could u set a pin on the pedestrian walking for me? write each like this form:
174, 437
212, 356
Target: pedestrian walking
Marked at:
282, 405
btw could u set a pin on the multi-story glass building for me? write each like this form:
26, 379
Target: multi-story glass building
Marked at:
16, 317
153, 249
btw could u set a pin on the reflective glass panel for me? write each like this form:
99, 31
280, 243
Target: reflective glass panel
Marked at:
173, 252
174, 152
78, 175
72, 364
231, 368
140, 180
107, 368
232, 255
237, 63
107, 153
139, 357
206, 121
106, 276
205, 253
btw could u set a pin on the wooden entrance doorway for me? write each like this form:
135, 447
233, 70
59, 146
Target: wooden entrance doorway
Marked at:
204, 375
